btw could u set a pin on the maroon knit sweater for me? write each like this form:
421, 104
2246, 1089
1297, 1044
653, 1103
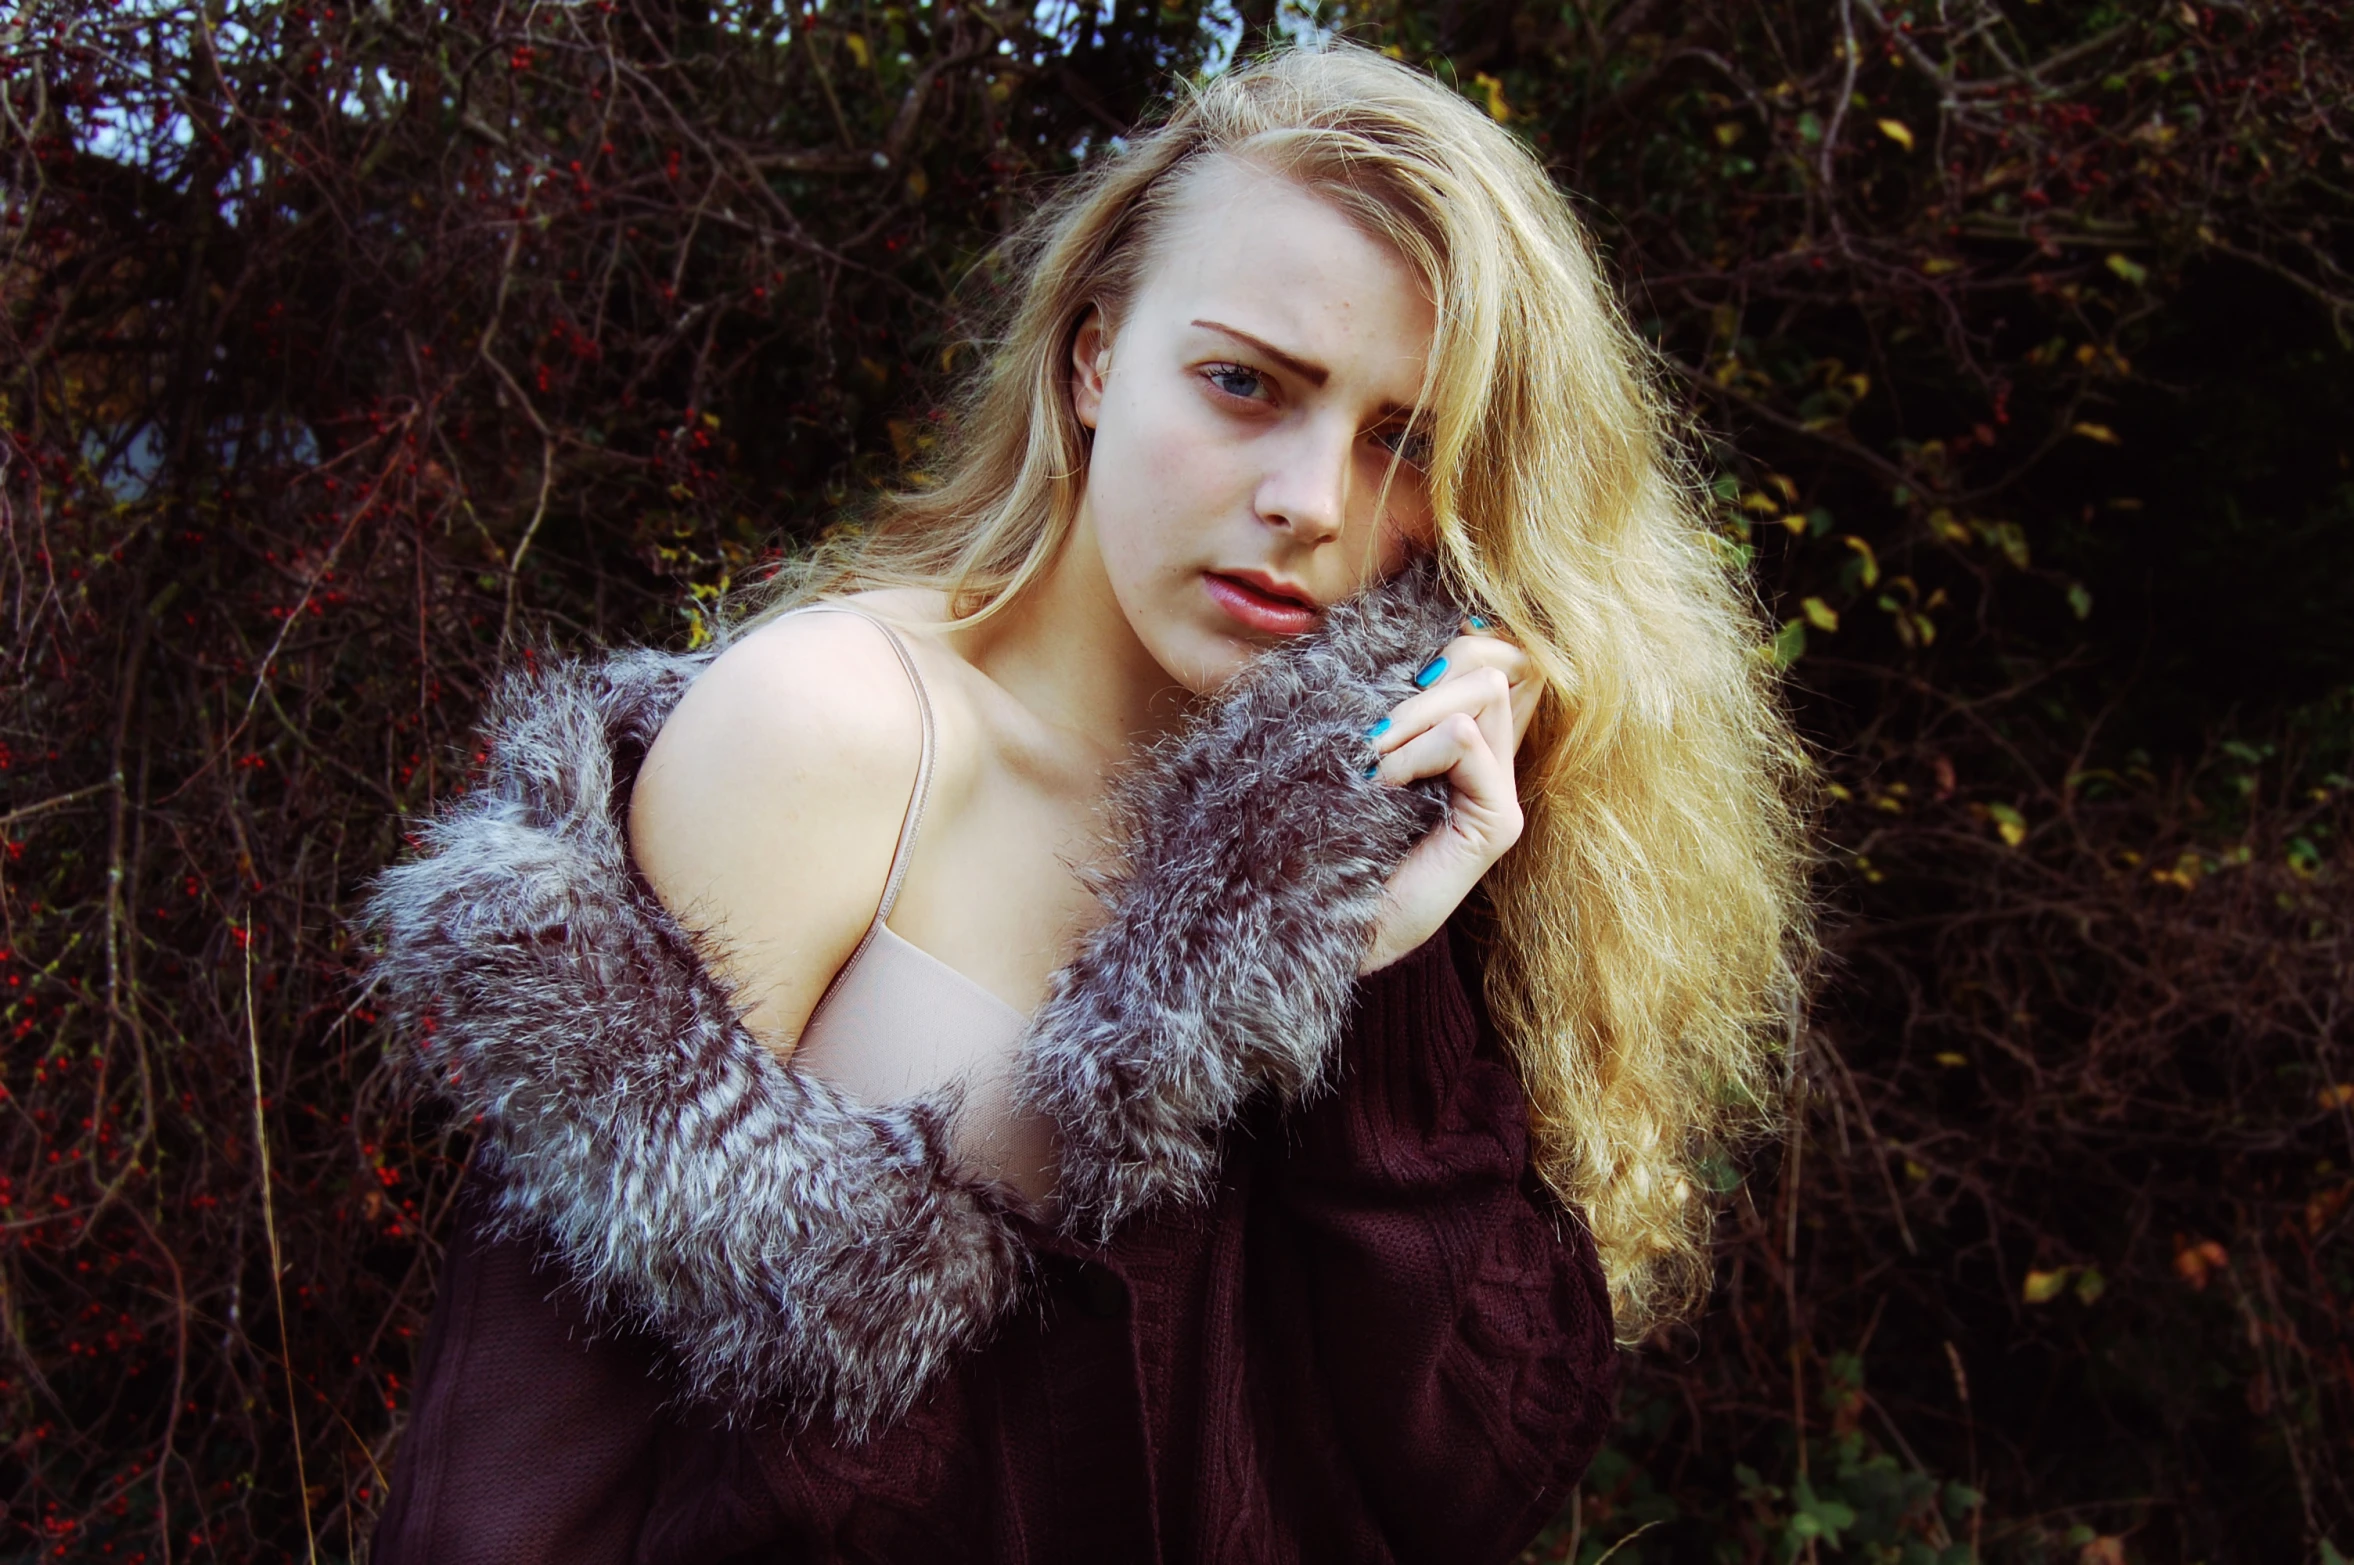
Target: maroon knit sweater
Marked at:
1380, 1340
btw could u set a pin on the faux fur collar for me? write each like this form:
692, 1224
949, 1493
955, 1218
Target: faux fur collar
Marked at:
793, 1246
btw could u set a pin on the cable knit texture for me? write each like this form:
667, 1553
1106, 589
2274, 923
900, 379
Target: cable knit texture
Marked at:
795, 1250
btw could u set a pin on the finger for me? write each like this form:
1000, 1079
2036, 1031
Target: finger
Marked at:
1486, 649
1482, 694
1482, 650
1456, 748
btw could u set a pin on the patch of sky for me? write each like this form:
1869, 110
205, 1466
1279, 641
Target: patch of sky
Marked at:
373, 95
1303, 22
1065, 25
129, 458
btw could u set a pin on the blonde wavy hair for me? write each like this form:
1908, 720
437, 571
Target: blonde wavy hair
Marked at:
1646, 936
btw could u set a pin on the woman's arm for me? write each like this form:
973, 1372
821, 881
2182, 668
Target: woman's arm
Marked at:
1442, 1333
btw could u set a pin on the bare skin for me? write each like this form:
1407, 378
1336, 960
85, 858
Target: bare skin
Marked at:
1247, 410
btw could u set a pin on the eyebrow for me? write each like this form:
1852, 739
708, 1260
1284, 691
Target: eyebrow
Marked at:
1306, 369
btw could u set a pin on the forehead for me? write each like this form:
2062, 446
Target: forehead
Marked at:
1259, 252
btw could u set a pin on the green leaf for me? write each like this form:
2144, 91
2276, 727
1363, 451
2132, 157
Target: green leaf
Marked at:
2132, 271
1820, 614
2079, 600
1789, 643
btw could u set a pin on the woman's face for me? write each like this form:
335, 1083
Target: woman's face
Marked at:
1248, 408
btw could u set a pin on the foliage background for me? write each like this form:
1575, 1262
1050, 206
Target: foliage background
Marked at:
347, 351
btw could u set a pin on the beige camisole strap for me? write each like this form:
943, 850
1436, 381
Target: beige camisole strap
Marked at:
897, 1022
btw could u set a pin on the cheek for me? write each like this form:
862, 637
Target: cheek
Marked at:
1157, 488
1392, 542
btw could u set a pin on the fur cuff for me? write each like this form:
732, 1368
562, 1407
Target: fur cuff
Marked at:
1254, 853
783, 1240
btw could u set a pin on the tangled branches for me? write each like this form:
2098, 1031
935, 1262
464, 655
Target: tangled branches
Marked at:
349, 353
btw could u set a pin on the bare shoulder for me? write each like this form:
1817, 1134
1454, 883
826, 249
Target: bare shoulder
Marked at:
768, 807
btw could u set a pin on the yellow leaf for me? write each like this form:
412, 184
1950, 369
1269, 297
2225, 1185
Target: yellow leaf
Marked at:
2009, 824
2337, 1094
858, 50
1729, 132
1939, 265
2100, 432
2043, 1287
1758, 500
917, 184
1498, 109
1863, 550
1942, 523
1784, 487
1820, 614
1951, 1060
1899, 132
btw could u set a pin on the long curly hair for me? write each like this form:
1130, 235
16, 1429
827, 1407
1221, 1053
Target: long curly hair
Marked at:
1647, 936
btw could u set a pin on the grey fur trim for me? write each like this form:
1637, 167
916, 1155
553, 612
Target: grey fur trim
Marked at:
777, 1236
1254, 856
791, 1245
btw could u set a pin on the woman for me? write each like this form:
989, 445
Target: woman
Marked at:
931, 1172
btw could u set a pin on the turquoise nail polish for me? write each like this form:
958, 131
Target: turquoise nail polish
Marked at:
1477, 623
1430, 675
1378, 729
1375, 767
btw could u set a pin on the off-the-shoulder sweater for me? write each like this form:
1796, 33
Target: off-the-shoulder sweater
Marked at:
1301, 1296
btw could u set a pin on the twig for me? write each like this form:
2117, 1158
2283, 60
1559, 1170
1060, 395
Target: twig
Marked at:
261, 1142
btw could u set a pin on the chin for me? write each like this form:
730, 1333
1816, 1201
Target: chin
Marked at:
1204, 663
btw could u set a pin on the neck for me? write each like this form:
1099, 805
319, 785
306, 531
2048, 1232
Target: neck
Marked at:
1066, 651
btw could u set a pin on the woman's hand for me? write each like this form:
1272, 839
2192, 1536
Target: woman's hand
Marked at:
1466, 725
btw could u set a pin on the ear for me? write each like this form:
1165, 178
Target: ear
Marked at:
1091, 358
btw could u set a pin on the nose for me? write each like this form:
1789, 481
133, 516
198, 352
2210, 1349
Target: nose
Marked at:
1306, 489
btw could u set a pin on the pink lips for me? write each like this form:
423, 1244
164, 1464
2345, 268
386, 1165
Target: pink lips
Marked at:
1259, 609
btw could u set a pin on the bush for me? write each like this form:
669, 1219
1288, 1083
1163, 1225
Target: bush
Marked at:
350, 353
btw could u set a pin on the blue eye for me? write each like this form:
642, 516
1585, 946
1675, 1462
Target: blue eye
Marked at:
1236, 381
1412, 446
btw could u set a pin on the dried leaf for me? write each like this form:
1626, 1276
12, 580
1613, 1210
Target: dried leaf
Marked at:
2043, 1287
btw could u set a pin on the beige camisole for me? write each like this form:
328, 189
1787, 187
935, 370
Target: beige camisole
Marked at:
897, 1022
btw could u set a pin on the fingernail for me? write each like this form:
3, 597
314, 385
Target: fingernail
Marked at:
1430, 674
1378, 729
1477, 623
